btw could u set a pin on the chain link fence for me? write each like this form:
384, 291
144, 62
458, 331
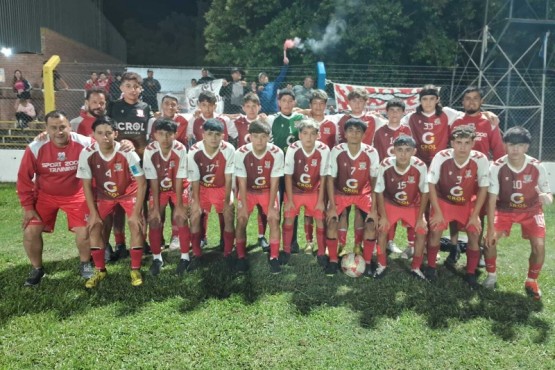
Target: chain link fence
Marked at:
522, 97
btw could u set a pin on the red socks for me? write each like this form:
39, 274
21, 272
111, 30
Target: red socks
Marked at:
432, 256
98, 258
472, 260
184, 238
534, 270
195, 243
229, 236
136, 257
368, 250
309, 231
155, 239
332, 249
287, 237
491, 264
241, 246
321, 240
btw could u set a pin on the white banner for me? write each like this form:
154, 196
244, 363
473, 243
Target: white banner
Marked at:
192, 93
378, 96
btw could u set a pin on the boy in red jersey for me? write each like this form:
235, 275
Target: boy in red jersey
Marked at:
163, 160
119, 180
258, 167
458, 181
328, 131
170, 109
211, 163
306, 166
402, 195
46, 182
351, 178
518, 188
383, 142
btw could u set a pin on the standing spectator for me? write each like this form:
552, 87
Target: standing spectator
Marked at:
91, 82
206, 78
267, 91
114, 90
105, 80
304, 92
194, 82
233, 92
24, 112
21, 86
151, 88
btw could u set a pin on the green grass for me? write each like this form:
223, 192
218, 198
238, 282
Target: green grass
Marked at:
300, 319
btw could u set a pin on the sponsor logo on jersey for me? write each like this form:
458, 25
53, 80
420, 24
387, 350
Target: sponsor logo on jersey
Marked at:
527, 179
140, 113
135, 170
468, 174
267, 164
411, 180
117, 167
62, 156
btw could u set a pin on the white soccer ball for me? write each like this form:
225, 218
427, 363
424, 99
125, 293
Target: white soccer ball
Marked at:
353, 265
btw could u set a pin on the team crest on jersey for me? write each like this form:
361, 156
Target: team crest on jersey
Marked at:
140, 113
527, 179
314, 163
450, 173
437, 121
61, 156
327, 131
172, 164
267, 164
117, 167
468, 174
362, 166
411, 180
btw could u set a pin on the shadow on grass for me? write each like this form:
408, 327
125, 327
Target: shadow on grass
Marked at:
442, 304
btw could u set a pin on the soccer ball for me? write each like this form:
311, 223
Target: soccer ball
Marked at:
353, 265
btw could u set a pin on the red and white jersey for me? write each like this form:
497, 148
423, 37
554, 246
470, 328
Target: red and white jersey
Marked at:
165, 169
374, 122
430, 132
209, 170
458, 184
488, 137
114, 175
259, 170
306, 169
385, 136
352, 173
83, 124
242, 125
404, 188
329, 130
517, 189
49, 170
180, 135
194, 127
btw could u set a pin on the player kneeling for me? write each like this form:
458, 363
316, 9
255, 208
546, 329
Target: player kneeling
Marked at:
518, 188
119, 179
258, 167
402, 195
352, 174
306, 166
164, 161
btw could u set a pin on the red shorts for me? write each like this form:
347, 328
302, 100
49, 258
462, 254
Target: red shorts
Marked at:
170, 196
212, 197
308, 200
532, 224
362, 202
261, 199
406, 214
105, 206
451, 212
74, 206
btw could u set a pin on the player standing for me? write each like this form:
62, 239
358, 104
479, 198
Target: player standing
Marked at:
518, 188
119, 180
258, 167
95, 106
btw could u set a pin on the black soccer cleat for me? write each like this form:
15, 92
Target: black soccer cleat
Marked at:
275, 267
35, 277
331, 269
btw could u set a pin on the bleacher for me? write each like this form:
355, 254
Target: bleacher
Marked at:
12, 137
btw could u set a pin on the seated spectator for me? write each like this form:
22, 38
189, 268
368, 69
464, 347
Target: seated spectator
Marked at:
105, 80
233, 92
304, 92
206, 78
24, 113
21, 86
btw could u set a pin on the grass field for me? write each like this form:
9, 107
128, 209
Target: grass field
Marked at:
300, 319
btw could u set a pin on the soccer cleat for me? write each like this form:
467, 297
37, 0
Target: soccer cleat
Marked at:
533, 289
368, 270
242, 265
97, 277
35, 277
431, 273
275, 268
120, 253
146, 249
322, 260
295, 247
408, 253
229, 262
108, 252
156, 266
482, 262
357, 249
380, 271
203, 243
453, 257
86, 270
284, 258
332, 268
341, 250
490, 282
418, 274
174, 244
392, 247
471, 281
309, 249
195, 263
263, 243
182, 266
136, 278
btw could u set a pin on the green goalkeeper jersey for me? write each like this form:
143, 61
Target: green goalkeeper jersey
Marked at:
284, 129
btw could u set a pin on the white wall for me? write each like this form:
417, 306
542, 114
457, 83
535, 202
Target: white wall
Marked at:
9, 164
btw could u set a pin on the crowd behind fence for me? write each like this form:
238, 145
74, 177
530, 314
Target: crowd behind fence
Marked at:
521, 96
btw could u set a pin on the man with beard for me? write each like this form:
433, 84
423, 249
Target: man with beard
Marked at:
95, 106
